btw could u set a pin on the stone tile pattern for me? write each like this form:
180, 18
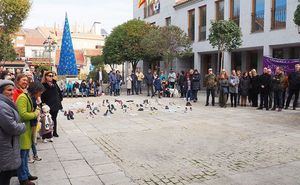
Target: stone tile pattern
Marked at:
208, 145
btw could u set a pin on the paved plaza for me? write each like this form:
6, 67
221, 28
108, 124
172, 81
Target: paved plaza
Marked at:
205, 146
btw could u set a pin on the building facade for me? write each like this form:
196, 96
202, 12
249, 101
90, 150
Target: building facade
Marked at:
267, 27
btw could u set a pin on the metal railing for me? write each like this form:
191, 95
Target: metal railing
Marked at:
258, 21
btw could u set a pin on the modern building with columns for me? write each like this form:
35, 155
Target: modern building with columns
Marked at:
267, 27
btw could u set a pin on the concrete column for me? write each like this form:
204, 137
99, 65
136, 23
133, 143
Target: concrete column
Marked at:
260, 56
227, 61
268, 15
244, 61
197, 61
268, 51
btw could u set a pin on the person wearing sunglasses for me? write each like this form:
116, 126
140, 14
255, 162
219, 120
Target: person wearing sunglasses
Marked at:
52, 96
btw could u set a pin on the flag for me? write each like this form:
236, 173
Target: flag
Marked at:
67, 61
141, 2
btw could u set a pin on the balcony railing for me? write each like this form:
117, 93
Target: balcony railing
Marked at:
202, 33
278, 17
258, 21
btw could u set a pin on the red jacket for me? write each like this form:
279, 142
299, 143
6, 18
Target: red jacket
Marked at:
17, 93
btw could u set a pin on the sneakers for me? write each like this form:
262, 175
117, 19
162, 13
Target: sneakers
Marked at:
37, 158
31, 159
45, 141
51, 140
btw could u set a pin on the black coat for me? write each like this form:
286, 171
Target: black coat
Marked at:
196, 82
149, 78
244, 86
294, 80
265, 83
254, 84
52, 97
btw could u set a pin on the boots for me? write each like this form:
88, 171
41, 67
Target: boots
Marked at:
26, 182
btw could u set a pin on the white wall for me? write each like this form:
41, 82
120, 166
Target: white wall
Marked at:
267, 39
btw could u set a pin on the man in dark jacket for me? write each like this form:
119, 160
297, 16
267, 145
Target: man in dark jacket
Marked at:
211, 84
294, 86
264, 83
278, 85
149, 81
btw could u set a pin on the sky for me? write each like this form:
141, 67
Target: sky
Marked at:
110, 13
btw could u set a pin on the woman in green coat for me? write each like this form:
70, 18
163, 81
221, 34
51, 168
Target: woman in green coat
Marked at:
25, 109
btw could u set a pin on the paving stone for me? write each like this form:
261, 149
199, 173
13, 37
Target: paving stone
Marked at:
89, 180
106, 168
114, 178
77, 168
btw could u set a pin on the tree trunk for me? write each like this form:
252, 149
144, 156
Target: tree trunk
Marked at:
222, 60
218, 63
134, 64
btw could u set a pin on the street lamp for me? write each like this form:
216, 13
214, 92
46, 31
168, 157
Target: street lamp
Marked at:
50, 45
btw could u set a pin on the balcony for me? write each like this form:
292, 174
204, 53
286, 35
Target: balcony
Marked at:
151, 9
258, 21
278, 17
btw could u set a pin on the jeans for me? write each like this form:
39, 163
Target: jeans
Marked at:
83, 93
133, 88
278, 99
69, 92
189, 95
212, 93
139, 87
233, 98
195, 97
23, 171
33, 148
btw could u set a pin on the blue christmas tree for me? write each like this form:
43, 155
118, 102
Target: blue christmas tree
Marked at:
67, 61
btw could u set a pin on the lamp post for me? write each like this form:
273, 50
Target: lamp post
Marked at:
50, 45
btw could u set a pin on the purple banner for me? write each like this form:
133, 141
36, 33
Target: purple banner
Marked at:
287, 64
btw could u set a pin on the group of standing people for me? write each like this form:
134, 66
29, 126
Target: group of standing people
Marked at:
165, 84
271, 86
20, 111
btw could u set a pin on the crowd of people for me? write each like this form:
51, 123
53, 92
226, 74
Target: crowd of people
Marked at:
271, 86
23, 95
24, 100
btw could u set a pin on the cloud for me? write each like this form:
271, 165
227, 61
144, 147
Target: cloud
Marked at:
109, 13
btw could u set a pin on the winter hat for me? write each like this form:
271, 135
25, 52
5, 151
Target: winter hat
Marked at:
4, 83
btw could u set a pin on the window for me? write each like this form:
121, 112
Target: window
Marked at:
258, 12
168, 21
278, 14
202, 23
235, 11
191, 27
220, 10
